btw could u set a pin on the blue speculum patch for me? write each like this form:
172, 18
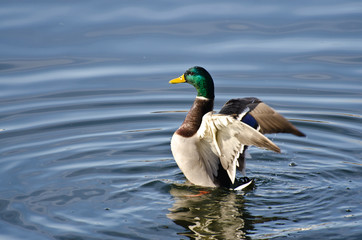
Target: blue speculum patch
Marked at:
250, 120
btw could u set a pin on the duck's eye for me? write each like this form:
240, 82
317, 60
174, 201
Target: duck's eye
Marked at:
188, 73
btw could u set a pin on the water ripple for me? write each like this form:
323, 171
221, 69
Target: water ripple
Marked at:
86, 117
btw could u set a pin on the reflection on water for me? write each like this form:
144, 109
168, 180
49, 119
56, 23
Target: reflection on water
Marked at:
218, 214
215, 213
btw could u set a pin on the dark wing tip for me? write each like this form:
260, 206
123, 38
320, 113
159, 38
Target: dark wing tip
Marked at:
299, 133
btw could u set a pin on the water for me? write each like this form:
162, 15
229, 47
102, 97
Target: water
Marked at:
87, 114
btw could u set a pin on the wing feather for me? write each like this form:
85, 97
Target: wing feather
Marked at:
271, 121
268, 119
225, 137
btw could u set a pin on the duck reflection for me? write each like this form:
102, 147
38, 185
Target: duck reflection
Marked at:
209, 213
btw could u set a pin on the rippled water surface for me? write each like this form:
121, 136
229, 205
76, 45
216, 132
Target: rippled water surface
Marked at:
86, 117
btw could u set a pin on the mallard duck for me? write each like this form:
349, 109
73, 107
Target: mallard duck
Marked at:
208, 147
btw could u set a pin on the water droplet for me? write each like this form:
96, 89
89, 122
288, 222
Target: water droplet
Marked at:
292, 164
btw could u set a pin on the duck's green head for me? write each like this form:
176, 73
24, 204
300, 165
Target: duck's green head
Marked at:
200, 79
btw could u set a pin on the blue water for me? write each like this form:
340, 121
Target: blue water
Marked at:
86, 117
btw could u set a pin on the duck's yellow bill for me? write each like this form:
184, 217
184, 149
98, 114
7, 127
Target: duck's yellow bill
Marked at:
180, 79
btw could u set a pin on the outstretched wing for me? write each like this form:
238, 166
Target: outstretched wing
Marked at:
266, 117
226, 136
